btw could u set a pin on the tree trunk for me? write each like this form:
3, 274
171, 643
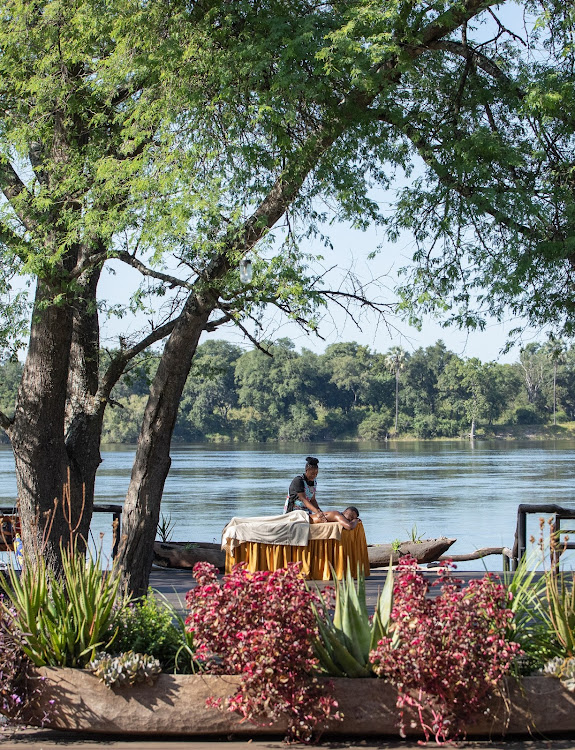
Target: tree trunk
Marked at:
555, 393
57, 426
84, 411
152, 461
396, 399
37, 431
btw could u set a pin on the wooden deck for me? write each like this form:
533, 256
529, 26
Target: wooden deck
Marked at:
172, 585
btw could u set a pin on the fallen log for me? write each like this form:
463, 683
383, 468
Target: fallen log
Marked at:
478, 554
425, 551
184, 555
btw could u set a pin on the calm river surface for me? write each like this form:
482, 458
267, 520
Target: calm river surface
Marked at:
454, 489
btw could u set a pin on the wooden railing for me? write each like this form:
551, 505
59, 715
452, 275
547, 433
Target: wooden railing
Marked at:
7, 537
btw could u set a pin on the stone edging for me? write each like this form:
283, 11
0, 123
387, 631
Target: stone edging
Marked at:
175, 705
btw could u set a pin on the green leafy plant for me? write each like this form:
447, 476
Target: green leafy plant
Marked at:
414, 536
149, 626
63, 619
531, 626
396, 545
165, 527
560, 592
345, 642
125, 669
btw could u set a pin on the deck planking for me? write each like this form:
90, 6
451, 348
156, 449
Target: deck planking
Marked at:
172, 585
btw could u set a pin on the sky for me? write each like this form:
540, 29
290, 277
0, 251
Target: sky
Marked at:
350, 251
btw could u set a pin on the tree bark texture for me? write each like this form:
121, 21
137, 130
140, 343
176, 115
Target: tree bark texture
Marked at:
55, 433
84, 407
152, 461
37, 431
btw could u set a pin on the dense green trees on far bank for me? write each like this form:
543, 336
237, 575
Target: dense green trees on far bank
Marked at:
349, 392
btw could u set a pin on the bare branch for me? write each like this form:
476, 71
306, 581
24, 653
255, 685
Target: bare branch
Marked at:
249, 336
172, 281
117, 365
502, 29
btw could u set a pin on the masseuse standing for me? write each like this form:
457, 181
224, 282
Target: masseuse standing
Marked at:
301, 495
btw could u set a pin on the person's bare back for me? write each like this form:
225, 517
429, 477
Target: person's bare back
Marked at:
348, 519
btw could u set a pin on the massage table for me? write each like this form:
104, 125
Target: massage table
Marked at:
328, 545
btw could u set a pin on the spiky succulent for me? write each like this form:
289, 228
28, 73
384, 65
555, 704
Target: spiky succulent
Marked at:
125, 669
345, 642
564, 669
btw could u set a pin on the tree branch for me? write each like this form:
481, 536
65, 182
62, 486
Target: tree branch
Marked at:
12, 187
480, 60
132, 261
470, 193
5, 421
212, 325
453, 18
117, 365
249, 336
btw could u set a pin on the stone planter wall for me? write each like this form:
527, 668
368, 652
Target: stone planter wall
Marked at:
175, 705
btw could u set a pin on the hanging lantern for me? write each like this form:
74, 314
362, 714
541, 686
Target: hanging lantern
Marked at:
246, 270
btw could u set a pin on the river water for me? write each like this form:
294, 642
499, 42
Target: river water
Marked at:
425, 489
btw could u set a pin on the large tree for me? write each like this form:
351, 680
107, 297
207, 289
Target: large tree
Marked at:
173, 137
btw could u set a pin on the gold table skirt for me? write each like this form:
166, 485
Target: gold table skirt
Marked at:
315, 558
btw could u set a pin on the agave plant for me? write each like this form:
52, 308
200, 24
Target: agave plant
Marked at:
346, 640
63, 619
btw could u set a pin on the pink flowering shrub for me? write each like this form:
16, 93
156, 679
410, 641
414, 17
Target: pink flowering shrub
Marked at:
261, 626
445, 654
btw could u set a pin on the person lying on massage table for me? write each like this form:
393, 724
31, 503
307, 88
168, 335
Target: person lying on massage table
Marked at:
348, 519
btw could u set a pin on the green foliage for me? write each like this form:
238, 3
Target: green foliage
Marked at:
232, 395
375, 426
63, 620
165, 527
122, 424
526, 415
414, 536
493, 215
150, 627
345, 642
530, 627
560, 591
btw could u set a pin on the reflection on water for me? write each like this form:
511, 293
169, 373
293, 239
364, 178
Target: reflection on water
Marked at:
455, 489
